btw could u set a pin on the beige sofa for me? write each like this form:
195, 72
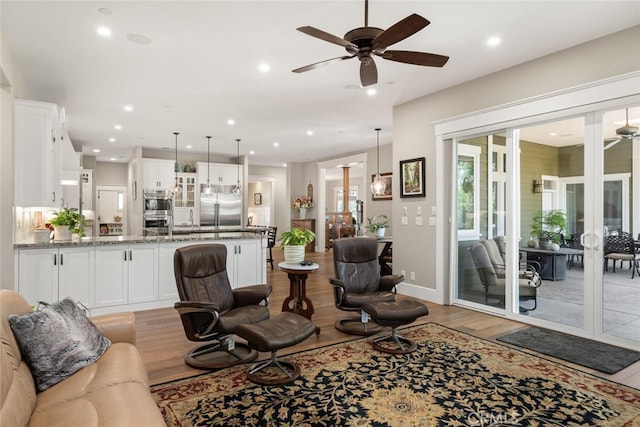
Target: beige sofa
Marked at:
113, 391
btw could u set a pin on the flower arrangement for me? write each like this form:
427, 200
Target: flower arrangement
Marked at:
377, 222
302, 202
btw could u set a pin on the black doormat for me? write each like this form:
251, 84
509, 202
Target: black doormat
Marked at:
592, 354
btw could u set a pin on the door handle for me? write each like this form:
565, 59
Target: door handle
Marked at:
597, 236
582, 240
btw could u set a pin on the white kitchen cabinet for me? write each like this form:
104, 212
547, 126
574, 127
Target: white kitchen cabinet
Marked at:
52, 274
245, 262
167, 288
185, 208
126, 274
37, 154
219, 173
158, 174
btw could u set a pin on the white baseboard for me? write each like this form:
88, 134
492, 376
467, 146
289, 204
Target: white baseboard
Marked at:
420, 292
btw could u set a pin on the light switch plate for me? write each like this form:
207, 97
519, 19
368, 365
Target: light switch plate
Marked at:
418, 220
432, 220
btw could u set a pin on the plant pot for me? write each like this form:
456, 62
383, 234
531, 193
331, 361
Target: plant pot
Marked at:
544, 243
554, 247
62, 233
302, 213
380, 232
294, 254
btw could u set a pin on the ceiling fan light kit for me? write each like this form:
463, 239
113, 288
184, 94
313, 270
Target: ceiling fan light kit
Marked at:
367, 42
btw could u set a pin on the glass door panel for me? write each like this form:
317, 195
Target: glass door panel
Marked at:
552, 217
621, 219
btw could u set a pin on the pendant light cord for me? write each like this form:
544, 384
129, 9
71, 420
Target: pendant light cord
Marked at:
208, 149
238, 165
378, 149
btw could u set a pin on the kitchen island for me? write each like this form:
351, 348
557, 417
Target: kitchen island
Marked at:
127, 273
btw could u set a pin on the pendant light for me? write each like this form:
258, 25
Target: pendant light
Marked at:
378, 185
176, 189
237, 190
207, 190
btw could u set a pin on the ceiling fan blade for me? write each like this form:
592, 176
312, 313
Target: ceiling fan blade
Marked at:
368, 73
323, 35
416, 58
399, 31
611, 143
321, 64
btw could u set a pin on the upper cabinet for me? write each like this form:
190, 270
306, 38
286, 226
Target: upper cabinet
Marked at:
219, 173
158, 174
37, 154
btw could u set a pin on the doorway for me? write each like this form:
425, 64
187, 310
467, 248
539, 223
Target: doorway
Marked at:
110, 211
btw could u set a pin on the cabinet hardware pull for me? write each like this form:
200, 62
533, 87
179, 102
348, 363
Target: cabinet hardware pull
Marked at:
61, 259
54, 196
55, 259
130, 256
125, 255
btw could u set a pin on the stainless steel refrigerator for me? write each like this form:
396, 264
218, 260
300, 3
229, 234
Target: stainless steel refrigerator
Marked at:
223, 209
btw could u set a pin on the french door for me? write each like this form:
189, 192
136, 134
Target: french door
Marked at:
576, 165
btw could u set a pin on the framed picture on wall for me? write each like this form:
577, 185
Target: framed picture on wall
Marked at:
388, 189
257, 198
412, 178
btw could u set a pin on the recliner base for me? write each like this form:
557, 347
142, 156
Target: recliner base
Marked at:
354, 326
213, 356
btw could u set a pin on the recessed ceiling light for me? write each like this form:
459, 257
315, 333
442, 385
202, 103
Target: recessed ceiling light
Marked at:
231, 122
117, 127
252, 152
112, 140
284, 165
371, 91
552, 134
309, 132
95, 150
113, 159
128, 108
493, 41
104, 31
264, 68
139, 39
188, 146
276, 144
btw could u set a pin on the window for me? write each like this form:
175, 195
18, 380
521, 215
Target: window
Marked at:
468, 197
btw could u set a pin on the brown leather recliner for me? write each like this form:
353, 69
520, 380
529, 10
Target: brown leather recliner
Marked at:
211, 310
358, 281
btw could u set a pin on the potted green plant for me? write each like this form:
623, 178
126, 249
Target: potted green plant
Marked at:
294, 241
549, 227
378, 224
67, 221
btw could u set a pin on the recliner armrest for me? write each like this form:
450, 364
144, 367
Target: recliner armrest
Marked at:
118, 327
251, 295
388, 283
194, 306
336, 282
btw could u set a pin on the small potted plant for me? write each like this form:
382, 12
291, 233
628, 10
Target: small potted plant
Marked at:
294, 242
549, 227
67, 221
378, 224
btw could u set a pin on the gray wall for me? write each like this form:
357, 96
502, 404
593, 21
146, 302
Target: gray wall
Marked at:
414, 247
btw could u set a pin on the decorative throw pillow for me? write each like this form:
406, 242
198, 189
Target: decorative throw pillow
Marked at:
57, 341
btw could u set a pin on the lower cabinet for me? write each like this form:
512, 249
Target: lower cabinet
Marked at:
126, 274
52, 274
110, 277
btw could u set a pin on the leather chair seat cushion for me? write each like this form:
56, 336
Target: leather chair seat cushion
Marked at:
400, 312
229, 322
278, 332
126, 404
357, 300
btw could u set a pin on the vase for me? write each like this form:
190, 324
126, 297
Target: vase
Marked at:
380, 232
294, 254
302, 213
62, 233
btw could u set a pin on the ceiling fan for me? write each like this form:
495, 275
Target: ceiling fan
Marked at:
626, 132
367, 42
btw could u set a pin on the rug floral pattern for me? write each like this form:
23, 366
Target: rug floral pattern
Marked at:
453, 379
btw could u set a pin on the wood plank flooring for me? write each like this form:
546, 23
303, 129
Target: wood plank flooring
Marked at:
162, 342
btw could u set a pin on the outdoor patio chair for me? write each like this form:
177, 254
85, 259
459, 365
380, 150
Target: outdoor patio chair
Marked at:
622, 247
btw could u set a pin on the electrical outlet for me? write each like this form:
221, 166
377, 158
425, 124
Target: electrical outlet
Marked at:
432, 220
405, 220
433, 210
413, 275
403, 273
418, 220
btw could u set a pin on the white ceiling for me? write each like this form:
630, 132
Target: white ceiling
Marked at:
202, 67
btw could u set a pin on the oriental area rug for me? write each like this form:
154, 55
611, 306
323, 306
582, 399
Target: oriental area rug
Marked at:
452, 379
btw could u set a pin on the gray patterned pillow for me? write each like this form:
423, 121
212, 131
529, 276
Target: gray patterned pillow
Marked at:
57, 341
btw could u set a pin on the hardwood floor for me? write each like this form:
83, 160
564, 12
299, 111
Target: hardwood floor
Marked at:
162, 342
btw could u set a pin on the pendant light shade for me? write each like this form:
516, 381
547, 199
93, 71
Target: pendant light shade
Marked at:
207, 189
177, 188
378, 185
237, 190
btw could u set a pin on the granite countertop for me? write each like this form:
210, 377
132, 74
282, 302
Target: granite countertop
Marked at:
228, 234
